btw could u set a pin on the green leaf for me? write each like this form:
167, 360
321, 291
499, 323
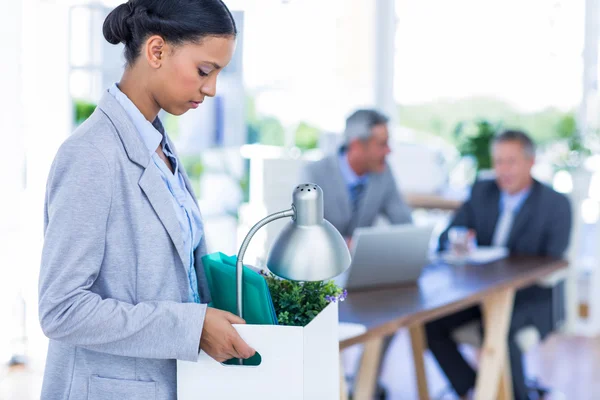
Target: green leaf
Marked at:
297, 303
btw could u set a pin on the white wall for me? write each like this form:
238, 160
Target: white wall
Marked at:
46, 124
11, 167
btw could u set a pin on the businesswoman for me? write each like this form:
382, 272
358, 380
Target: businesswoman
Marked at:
122, 288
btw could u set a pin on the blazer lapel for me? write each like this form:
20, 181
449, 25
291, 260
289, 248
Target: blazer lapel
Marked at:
153, 186
524, 214
493, 213
132, 142
151, 181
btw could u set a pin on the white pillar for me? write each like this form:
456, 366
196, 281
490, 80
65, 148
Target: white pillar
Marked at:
355, 47
366, 32
11, 103
11, 175
46, 120
588, 112
587, 120
385, 49
581, 182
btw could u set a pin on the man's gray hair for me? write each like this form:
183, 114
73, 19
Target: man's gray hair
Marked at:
359, 124
518, 136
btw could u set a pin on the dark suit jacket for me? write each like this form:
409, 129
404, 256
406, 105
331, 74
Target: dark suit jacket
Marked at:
542, 226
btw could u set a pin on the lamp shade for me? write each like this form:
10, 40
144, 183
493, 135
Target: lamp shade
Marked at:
309, 248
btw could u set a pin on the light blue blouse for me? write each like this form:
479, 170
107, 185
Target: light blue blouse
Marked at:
184, 204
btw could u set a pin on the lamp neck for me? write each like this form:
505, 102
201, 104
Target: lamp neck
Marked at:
240, 258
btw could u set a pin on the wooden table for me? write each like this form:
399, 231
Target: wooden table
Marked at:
430, 202
443, 290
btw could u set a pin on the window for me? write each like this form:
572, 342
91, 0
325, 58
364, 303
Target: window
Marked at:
518, 62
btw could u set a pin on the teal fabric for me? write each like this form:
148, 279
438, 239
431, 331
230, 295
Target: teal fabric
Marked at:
221, 277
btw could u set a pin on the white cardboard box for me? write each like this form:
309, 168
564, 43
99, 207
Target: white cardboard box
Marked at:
297, 364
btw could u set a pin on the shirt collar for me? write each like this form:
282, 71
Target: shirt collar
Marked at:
514, 201
151, 137
350, 177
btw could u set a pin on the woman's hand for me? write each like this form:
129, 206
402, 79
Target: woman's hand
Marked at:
220, 340
348, 242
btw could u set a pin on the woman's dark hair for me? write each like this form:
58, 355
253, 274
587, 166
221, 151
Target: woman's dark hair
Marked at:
177, 21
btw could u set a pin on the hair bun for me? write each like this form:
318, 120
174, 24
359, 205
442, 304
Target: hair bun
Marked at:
116, 29
176, 21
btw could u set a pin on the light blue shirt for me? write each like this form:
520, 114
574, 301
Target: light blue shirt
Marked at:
186, 209
514, 201
350, 177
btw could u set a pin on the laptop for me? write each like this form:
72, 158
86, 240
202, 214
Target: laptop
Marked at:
387, 256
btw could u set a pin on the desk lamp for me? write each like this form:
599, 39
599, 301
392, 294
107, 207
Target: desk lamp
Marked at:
308, 249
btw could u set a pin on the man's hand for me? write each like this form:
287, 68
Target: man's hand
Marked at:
220, 340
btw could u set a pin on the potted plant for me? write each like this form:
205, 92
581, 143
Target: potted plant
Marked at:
82, 109
474, 139
298, 357
571, 148
297, 303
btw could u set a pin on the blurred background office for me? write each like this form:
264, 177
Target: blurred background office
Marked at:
449, 75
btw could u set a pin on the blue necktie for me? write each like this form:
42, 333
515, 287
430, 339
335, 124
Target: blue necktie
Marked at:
356, 194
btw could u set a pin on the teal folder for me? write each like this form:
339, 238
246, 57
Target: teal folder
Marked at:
221, 276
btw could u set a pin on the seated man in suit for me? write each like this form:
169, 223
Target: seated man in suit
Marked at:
527, 217
357, 183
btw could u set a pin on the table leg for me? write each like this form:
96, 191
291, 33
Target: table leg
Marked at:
366, 380
497, 309
419, 345
505, 392
343, 386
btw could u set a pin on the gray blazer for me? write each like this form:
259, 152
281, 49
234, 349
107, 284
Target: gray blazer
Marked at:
541, 227
381, 197
113, 285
